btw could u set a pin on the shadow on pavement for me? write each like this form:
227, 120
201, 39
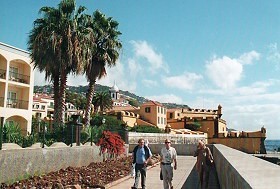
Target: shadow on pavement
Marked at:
192, 181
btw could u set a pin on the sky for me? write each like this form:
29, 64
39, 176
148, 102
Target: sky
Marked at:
199, 53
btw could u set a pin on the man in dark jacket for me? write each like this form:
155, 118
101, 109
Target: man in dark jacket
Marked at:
141, 156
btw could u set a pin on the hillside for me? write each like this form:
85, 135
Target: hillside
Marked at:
82, 90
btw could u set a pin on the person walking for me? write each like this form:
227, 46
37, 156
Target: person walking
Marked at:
141, 156
168, 155
203, 163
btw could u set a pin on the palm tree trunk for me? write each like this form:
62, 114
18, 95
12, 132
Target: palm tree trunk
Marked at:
63, 81
56, 100
89, 100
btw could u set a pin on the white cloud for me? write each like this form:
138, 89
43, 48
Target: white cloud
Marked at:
187, 81
251, 117
143, 50
39, 78
134, 67
274, 55
171, 98
224, 72
248, 58
149, 83
119, 74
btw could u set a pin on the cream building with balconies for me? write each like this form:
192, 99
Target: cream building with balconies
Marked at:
16, 87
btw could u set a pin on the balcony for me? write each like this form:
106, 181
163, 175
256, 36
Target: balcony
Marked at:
2, 74
14, 76
15, 103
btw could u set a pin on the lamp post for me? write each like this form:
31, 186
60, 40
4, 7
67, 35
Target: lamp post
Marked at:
78, 128
91, 134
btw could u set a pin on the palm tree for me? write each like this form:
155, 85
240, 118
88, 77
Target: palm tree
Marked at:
102, 100
105, 53
59, 44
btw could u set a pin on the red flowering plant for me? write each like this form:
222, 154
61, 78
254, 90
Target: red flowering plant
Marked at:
111, 143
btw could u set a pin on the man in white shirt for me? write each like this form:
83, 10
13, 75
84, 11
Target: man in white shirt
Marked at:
168, 155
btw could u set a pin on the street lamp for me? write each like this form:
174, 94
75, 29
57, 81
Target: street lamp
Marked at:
78, 129
103, 120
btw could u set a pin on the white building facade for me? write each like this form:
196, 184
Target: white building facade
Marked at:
16, 87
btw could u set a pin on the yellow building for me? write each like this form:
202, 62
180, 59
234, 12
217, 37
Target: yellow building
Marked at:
154, 113
16, 87
210, 121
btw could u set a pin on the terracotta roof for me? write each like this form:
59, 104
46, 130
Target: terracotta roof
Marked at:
124, 108
151, 102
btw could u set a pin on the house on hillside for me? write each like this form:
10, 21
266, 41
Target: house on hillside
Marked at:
16, 87
117, 98
43, 108
153, 112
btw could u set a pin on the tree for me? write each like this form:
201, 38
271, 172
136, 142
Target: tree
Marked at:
105, 53
59, 44
102, 100
133, 102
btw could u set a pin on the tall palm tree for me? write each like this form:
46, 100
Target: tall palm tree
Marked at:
59, 44
102, 100
105, 53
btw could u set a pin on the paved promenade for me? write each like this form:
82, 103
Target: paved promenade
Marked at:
185, 166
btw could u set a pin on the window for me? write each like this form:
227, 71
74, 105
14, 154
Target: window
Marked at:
37, 106
147, 109
171, 115
158, 109
162, 120
13, 73
158, 120
162, 110
43, 107
12, 100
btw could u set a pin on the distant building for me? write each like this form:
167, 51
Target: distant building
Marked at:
210, 122
16, 87
118, 99
154, 113
43, 107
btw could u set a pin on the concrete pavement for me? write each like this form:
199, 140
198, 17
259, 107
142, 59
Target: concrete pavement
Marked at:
185, 166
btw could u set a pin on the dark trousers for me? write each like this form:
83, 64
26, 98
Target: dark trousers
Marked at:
204, 176
140, 169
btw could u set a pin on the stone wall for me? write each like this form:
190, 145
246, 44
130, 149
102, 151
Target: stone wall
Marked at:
17, 164
159, 138
237, 169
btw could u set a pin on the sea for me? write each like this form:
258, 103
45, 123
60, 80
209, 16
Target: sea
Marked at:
272, 145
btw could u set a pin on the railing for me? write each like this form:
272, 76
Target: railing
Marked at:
15, 103
2, 74
14, 76
1, 101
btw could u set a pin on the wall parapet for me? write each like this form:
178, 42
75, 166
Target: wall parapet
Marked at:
237, 169
159, 138
26, 162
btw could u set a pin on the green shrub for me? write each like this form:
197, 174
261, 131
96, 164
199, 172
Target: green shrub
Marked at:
146, 129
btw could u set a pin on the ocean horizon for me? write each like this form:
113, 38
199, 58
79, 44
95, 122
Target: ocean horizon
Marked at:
272, 145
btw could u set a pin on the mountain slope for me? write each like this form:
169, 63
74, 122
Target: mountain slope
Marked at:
82, 90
